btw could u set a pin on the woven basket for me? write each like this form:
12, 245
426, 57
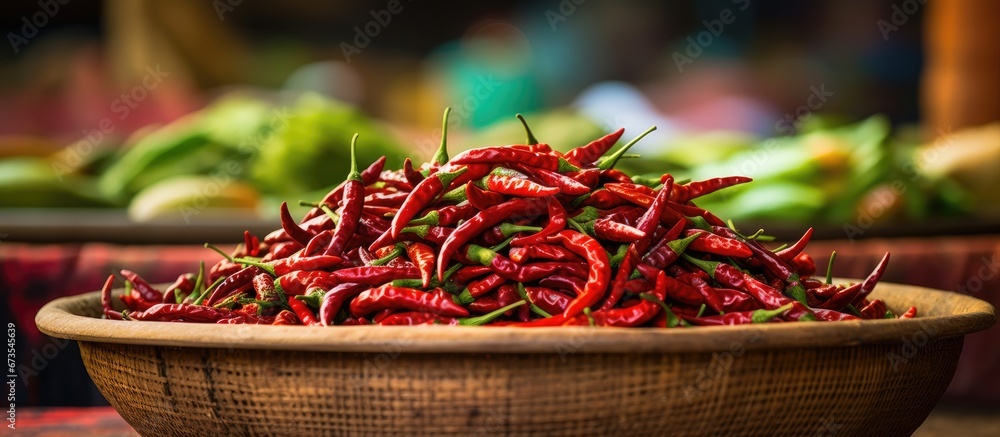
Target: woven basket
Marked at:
879, 377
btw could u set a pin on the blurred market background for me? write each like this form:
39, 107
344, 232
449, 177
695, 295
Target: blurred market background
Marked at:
131, 131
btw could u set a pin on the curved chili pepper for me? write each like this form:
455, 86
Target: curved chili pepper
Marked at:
106, 301
565, 184
172, 312
557, 222
772, 263
479, 223
412, 176
146, 292
318, 243
251, 243
303, 312
832, 316
537, 271
480, 199
563, 282
369, 176
423, 256
548, 299
613, 231
334, 299
511, 155
292, 228
718, 245
588, 154
421, 196
282, 250
522, 254
614, 175
286, 317
232, 284
790, 252
772, 298
387, 296
600, 269
375, 275
741, 317
693, 190
668, 253
869, 283
505, 181
909, 314
610, 161
635, 315
181, 288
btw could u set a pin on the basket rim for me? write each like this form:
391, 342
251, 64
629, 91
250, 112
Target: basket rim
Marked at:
947, 314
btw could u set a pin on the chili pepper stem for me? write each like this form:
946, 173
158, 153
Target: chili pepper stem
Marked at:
672, 319
531, 141
531, 305
441, 156
489, 317
225, 255
829, 267
251, 262
610, 161
763, 316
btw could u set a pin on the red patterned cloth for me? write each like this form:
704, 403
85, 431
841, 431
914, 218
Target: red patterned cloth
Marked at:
91, 421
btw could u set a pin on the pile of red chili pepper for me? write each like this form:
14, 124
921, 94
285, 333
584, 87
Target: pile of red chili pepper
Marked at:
517, 235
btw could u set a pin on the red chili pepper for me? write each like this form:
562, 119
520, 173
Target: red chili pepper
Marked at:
615, 176
292, 228
377, 299
369, 176
480, 199
468, 273
772, 298
318, 244
804, 265
688, 192
909, 314
869, 283
565, 184
334, 299
587, 155
263, 286
600, 269
832, 316
634, 315
666, 254
145, 291
180, 289
423, 256
536, 271
741, 317
353, 201
375, 275
422, 195
448, 215
874, 310
286, 317
481, 222
109, 311
251, 243
510, 155
172, 312
232, 284
602, 199
505, 181
412, 176
302, 311
523, 254
298, 282
564, 282
772, 263
718, 245
553, 302
484, 304
790, 252
282, 250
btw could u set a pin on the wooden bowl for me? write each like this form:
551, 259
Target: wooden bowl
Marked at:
878, 377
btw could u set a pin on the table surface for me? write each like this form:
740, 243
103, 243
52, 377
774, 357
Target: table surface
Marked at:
946, 420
